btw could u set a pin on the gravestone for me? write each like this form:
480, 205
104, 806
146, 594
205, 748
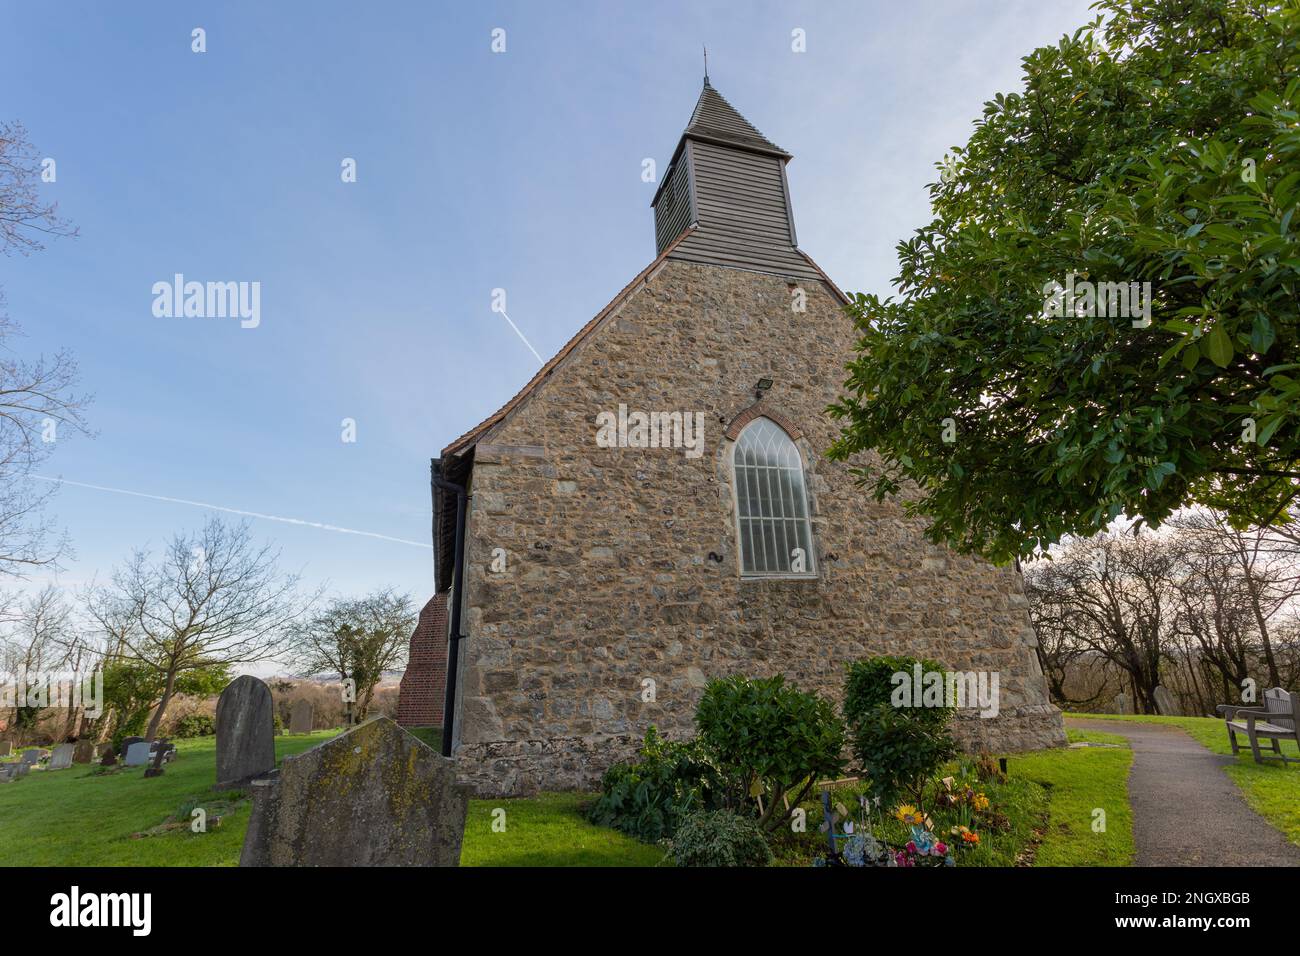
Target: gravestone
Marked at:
84, 752
245, 732
8, 773
104, 749
61, 759
107, 757
372, 796
6, 748
1165, 702
159, 753
32, 757
126, 744
1122, 705
137, 755
300, 718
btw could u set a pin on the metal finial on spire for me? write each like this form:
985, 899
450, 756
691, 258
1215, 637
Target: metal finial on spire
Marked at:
706, 66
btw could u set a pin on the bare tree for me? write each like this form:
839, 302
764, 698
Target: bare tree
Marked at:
24, 215
357, 639
1113, 595
40, 640
1263, 559
37, 397
212, 598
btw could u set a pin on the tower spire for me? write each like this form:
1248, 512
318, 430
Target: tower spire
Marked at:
706, 66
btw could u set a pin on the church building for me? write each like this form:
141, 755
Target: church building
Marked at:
654, 509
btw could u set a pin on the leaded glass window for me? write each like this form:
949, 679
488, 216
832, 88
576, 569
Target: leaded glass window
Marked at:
771, 503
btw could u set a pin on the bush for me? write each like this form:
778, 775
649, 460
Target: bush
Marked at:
900, 752
649, 799
720, 838
195, 725
871, 683
769, 740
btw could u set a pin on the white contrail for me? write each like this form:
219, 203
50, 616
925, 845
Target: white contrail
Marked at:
236, 511
521, 337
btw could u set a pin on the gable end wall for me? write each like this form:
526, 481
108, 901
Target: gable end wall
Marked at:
621, 564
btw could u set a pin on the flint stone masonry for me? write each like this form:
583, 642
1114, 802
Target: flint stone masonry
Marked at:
622, 562
373, 796
245, 732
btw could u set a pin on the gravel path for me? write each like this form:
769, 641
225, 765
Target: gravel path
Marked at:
1186, 810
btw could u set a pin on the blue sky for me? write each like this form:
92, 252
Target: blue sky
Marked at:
475, 170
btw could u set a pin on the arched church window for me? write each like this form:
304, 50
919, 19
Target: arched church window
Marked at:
771, 503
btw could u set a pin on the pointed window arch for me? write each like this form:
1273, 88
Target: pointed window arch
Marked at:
771, 503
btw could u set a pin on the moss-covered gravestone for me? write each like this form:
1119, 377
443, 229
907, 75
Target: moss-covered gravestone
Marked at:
373, 796
245, 732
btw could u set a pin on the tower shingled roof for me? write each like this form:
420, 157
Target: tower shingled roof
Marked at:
716, 119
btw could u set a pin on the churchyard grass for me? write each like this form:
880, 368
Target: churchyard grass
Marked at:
79, 817
1272, 789
1077, 783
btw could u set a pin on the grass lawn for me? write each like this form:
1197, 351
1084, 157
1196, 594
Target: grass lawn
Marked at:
79, 817
1272, 789
82, 817
1078, 782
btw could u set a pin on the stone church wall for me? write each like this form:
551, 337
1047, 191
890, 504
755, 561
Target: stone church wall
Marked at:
620, 564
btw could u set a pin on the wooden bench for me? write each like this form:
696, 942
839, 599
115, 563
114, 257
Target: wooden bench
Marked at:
1275, 722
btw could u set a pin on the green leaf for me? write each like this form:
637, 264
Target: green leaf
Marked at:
1261, 334
1218, 346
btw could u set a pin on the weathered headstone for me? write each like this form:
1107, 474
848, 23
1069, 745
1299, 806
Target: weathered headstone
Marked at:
104, 749
137, 755
1165, 702
300, 718
126, 744
373, 796
6, 748
245, 732
61, 759
107, 757
32, 757
8, 773
1121, 704
84, 752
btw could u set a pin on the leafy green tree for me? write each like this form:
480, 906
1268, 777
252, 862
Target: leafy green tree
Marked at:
357, 639
1157, 145
132, 689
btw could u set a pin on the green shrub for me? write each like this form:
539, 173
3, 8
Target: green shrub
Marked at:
900, 753
770, 741
720, 838
871, 683
195, 725
649, 798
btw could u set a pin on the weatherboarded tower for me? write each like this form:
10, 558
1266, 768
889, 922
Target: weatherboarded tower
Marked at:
654, 508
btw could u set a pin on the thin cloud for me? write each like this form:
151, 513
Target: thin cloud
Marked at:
236, 511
